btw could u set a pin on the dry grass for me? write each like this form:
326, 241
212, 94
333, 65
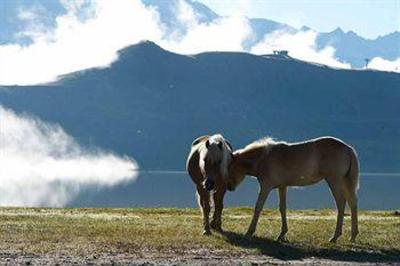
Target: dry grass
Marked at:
159, 232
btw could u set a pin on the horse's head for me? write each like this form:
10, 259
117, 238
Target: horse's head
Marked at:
236, 172
215, 157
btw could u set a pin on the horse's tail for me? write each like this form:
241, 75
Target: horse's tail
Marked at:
353, 172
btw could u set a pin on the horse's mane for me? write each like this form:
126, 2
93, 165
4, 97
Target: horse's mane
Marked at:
266, 142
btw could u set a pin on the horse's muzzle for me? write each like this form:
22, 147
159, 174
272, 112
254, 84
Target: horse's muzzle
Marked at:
230, 187
209, 184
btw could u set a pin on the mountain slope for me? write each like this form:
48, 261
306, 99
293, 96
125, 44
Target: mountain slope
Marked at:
349, 47
354, 49
150, 104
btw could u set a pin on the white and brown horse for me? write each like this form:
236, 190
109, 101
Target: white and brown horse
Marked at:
207, 165
280, 164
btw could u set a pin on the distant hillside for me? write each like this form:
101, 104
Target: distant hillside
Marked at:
150, 104
354, 49
349, 46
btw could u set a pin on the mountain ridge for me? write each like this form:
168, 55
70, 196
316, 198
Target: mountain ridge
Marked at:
150, 97
349, 46
154, 48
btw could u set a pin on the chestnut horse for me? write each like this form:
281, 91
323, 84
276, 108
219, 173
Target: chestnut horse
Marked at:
207, 165
281, 164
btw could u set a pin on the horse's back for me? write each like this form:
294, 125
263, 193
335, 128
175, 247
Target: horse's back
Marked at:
334, 156
328, 140
288, 160
330, 146
310, 160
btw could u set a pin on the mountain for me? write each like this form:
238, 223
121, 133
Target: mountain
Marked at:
262, 27
150, 104
349, 47
354, 49
168, 10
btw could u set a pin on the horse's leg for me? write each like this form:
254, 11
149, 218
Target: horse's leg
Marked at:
338, 193
351, 198
262, 196
282, 209
219, 205
204, 202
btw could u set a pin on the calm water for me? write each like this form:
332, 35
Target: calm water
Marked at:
177, 190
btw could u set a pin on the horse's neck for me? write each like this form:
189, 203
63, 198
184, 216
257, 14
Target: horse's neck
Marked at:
249, 160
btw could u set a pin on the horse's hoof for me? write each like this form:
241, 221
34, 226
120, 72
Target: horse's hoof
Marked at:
248, 236
217, 228
353, 237
206, 233
281, 239
333, 240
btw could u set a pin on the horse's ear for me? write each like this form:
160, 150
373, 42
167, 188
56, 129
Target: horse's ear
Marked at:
229, 144
207, 144
233, 155
199, 139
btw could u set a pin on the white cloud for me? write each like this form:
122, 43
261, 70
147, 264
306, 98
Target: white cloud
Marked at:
222, 34
34, 20
300, 45
41, 165
28, 14
75, 44
208, 37
379, 63
185, 14
107, 26
74, 6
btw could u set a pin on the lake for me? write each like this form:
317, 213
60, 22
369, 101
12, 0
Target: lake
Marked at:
176, 189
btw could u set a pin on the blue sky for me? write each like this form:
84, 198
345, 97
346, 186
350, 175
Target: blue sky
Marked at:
368, 18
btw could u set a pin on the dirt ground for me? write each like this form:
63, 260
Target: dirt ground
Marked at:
127, 259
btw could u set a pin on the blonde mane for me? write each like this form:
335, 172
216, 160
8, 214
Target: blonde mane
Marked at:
266, 143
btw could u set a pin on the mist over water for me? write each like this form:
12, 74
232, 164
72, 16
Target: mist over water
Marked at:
41, 165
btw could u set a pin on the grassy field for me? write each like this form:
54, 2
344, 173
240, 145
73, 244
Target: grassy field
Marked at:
164, 232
